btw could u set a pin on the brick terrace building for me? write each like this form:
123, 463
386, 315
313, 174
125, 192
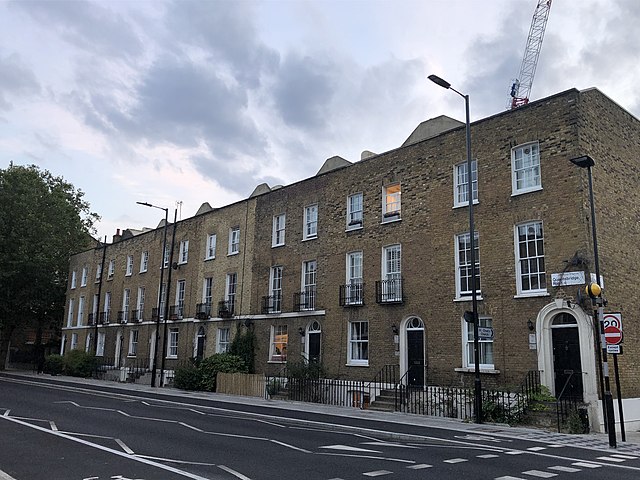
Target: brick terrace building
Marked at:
367, 264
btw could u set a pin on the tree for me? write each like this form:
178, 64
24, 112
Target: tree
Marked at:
43, 221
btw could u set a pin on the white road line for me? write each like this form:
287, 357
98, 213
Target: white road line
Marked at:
536, 449
389, 444
108, 450
626, 457
290, 446
124, 446
191, 427
233, 472
456, 460
419, 466
377, 473
347, 448
372, 457
514, 452
586, 465
488, 455
540, 474
5, 476
6, 413
509, 478
172, 460
561, 468
611, 459
53, 426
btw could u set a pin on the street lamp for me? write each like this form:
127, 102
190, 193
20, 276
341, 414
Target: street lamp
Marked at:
474, 299
164, 249
587, 162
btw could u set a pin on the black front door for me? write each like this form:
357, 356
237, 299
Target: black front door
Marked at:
200, 347
566, 362
415, 357
314, 347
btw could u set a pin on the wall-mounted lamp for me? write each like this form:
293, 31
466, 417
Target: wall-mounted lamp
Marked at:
301, 331
530, 325
394, 329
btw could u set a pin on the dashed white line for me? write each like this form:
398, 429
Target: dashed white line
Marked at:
290, 446
488, 455
456, 460
389, 444
540, 474
561, 468
124, 446
514, 452
536, 449
586, 465
233, 472
419, 466
626, 457
509, 478
377, 473
611, 459
53, 426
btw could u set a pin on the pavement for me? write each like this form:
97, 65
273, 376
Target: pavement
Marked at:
598, 441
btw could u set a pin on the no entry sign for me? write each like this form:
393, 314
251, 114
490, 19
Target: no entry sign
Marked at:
613, 335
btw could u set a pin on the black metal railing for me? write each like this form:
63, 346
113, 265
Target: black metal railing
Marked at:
567, 401
272, 304
123, 316
352, 295
390, 291
154, 314
226, 308
105, 317
175, 312
91, 319
136, 316
305, 300
203, 311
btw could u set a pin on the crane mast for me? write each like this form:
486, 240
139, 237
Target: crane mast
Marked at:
521, 86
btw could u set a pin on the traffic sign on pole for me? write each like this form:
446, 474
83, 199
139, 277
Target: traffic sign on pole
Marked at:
613, 335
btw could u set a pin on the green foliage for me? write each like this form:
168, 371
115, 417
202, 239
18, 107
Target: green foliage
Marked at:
303, 370
78, 363
544, 395
243, 346
53, 364
576, 424
43, 220
202, 375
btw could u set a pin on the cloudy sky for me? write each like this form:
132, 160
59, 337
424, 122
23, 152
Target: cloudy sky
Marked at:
200, 101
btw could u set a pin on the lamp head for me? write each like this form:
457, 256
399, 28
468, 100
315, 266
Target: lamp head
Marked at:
583, 162
145, 204
439, 81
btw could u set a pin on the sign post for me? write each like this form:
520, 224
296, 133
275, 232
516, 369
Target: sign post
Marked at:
613, 336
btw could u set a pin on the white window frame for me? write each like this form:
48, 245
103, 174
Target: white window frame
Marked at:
133, 343
163, 300
87, 342
211, 247
355, 211
129, 271
144, 261
520, 274
234, 240
107, 307
94, 308
80, 316
465, 266
526, 169
392, 291
275, 289
73, 279
181, 288
461, 184
140, 303
98, 272
172, 351
223, 340
279, 230
74, 341
183, 256
112, 268
354, 278
391, 202
70, 312
358, 343
207, 291
231, 290
100, 345
485, 345
310, 222
83, 277
309, 284
126, 299
278, 343
165, 257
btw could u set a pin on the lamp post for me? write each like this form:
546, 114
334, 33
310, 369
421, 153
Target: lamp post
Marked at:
587, 162
474, 298
164, 249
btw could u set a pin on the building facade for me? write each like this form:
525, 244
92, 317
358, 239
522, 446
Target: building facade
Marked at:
367, 264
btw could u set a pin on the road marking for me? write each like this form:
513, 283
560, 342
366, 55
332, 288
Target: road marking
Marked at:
191, 427
611, 459
536, 449
5, 476
389, 444
560, 468
626, 457
233, 472
108, 450
377, 473
586, 465
172, 460
509, 478
540, 474
349, 449
419, 466
53, 426
124, 446
514, 452
456, 460
290, 446
488, 455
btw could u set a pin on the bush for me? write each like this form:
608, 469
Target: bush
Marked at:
304, 370
79, 364
53, 364
188, 377
219, 362
243, 346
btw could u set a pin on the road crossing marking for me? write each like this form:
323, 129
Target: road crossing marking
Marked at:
389, 444
124, 446
509, 478
456, 460
233, 472
377, 473
611, 459
419, 466
488, 455
586, 465
540, 474
514, 452
560, 468
626, 457
536, 449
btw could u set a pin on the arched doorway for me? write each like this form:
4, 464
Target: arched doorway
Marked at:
117, 361
415, 352
313, 343
567, 366
200, 343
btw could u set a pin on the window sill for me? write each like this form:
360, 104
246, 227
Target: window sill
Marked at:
528, 190
466, 204
532, 295
357, 364
172, 357
182, 263
128, 274
490, 371
277, 361
231, 254
209, 258
468, 298
307, 239
142, 271
354, 228
390, 220
277, 245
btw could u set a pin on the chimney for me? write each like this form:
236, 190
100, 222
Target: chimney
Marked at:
117, 237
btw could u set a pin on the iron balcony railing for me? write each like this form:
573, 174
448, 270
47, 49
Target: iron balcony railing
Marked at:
175, 312
203, 311
104, 317
226, 308
305, 300
136, 316
272, 304
91, 319
123, 316
390, 291
352, 295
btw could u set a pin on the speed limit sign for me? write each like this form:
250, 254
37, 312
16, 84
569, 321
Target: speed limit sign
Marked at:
612, 320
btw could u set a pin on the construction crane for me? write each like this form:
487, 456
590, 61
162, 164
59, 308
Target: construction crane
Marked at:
521, 86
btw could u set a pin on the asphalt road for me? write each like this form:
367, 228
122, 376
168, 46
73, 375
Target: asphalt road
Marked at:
54, 431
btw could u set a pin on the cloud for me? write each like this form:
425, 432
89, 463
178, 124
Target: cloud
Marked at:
16, 79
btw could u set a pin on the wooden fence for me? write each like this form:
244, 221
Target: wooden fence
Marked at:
248, 385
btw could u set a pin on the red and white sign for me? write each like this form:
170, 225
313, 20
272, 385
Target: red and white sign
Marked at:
613, 335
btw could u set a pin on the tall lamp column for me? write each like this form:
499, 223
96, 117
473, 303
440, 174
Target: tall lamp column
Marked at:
474, 297
164, 249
